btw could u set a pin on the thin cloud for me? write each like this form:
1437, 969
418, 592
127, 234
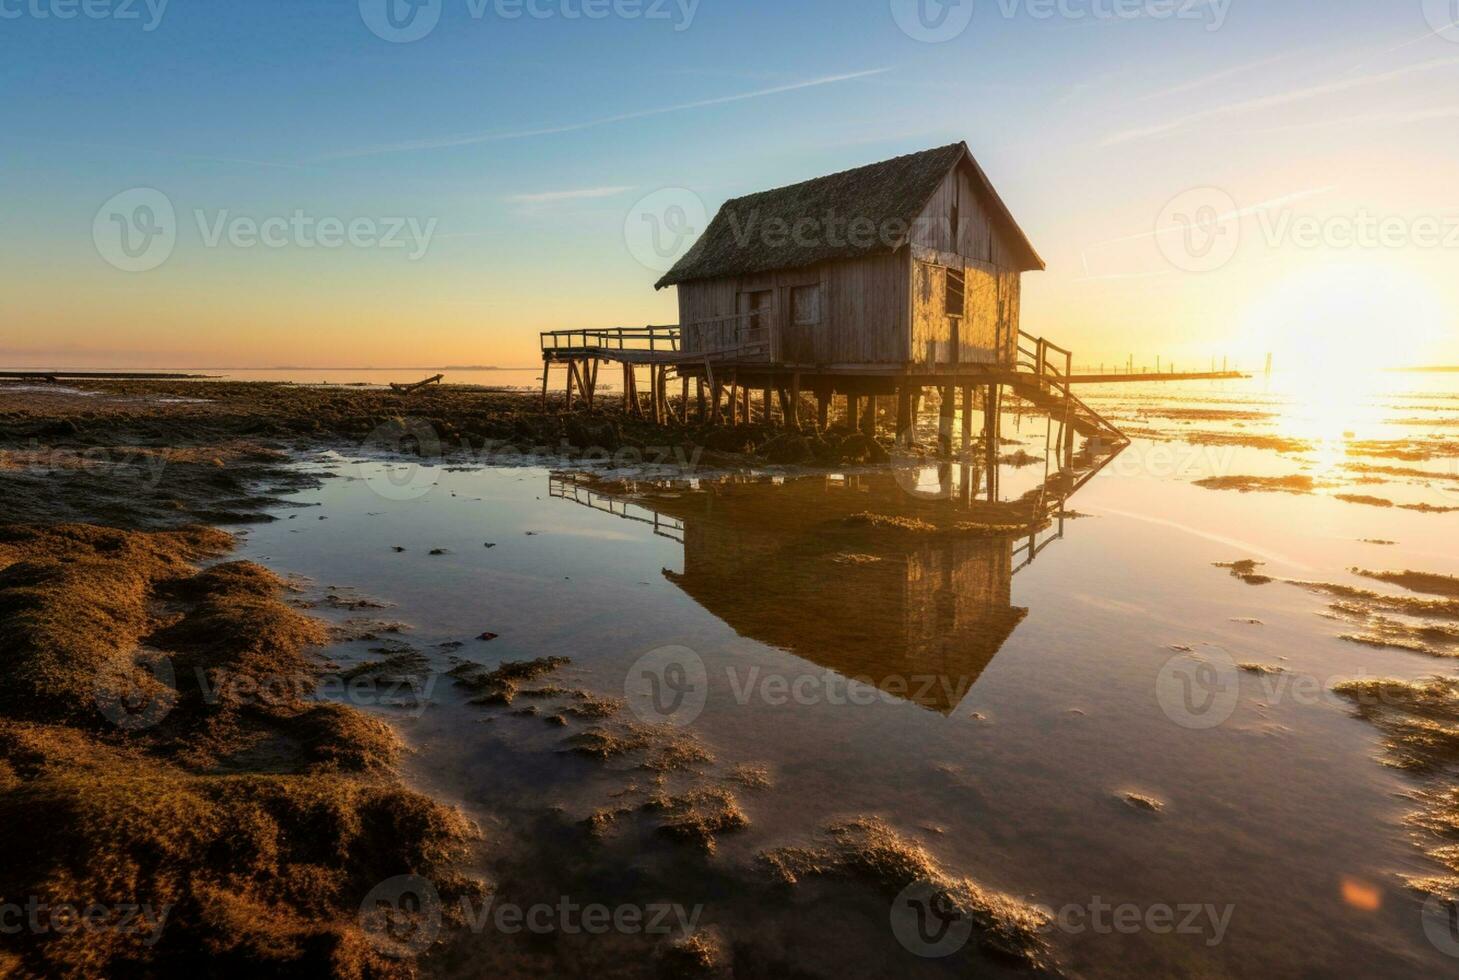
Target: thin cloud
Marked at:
583, 194
1375, 120
1206, 81
476, 138
1285, 98
1436, 32
1229, 216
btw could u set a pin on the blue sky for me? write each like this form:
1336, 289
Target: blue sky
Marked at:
527, 141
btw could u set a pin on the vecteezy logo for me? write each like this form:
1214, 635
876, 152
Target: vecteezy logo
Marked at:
400, 21
402, 916
661, 226
932, 21
1199, 690
918, 478
1199, 230
137, 695
136, 230
669, 685
1441, 924
927, 922
394, 479
1443, 17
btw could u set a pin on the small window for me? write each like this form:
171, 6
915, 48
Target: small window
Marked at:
805, 305
956, 293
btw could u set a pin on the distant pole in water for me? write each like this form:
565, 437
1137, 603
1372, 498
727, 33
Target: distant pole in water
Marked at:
1223, 365
1269, 364
1157, 363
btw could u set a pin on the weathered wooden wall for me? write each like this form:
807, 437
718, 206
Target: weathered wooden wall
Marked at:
988, 331
864, 310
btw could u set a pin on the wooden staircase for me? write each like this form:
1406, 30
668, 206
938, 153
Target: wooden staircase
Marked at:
1043, 380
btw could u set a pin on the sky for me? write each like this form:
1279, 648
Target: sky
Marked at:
197, 183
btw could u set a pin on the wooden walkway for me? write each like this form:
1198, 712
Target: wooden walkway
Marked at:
730, 359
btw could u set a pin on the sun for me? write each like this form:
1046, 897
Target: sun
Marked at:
1332, 329
1335, 322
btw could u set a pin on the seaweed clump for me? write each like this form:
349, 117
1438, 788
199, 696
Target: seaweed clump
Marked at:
1425, 582
701, 954
1296, 483
656, 748
870, 850
1420, 725
504, 684
1246, 570
160, 749
699, 815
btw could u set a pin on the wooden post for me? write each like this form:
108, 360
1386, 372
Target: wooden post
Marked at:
990, 438
571, 375
745, 408
546, 364
627, 389
967, 417
590, 381
715, 392
868, 423
823, 408
734, 399
699, 395
793, 418
766, 402
851, 407
906, 434
948, 394
683, 399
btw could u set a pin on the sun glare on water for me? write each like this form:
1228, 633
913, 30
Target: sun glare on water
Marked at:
1333, 330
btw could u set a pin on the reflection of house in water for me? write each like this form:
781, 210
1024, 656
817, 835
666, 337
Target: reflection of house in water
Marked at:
909, 592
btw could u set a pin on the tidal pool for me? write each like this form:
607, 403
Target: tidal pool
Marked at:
1040, 688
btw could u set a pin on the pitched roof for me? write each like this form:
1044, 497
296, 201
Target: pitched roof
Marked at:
754, 234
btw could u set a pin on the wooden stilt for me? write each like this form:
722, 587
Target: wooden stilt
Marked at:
906, 431
967, 417
990, 438
851, 407
546, 366
868, 423
944, 419
703, 403
765, 402
683, 399
716, 391
734, 399
745, 408
823, 409
590, 381
627, 389
572, 372
793, 419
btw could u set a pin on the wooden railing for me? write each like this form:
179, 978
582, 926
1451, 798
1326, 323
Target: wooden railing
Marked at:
648, 338
738, 336
567, 487
1052, 363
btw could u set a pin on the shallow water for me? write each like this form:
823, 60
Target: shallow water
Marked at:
995, 709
